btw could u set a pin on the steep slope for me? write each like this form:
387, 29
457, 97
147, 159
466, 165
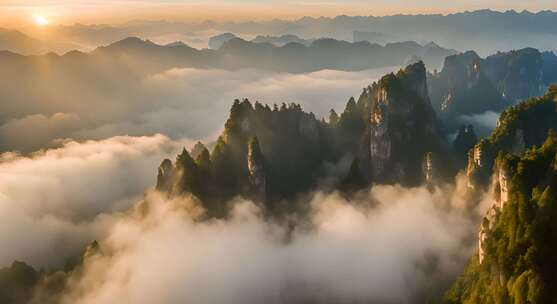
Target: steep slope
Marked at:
516, 74
519, 128
403, 127
516, 261
391, 136
469, 85
263, 153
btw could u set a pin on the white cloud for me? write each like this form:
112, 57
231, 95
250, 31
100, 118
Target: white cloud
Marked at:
50, 202
394, 245
180, 103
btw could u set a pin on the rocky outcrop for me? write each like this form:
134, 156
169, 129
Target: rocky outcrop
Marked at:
462, 88
500, 196
165, 175
274, 154
400, 119
488, 223
519, 128
380, 141
516, 74
256, 171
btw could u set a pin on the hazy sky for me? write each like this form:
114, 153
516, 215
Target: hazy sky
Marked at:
22, 12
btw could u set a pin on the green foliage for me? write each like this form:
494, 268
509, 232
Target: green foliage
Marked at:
520, 264
297, 148
529, 121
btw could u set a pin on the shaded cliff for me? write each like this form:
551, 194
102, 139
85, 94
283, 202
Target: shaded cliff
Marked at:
516, 260
519, 128
403, 127
469, 85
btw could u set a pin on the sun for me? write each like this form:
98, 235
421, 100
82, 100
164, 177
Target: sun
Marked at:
41, 21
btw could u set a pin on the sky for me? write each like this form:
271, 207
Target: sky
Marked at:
22, 12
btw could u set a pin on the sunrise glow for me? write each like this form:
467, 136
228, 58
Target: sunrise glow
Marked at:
41, 21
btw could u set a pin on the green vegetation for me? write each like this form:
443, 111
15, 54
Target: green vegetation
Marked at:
294, 149
520, 265
520, 127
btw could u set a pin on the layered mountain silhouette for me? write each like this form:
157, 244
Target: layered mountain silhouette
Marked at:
485, 31
293, 57
18, 42
215, 42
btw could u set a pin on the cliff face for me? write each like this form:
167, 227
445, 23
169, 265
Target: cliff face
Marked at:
516, 74
271, 154
469, 85
516, 260
520, 127
258, 183
501, 180
401, 120
265, 154
463, 88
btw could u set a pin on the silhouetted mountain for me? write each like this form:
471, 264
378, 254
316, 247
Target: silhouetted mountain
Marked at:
238, 53
516, 262
282, 40
18, 42
276, 154
484, 31
17, 281
470, 85
21, 283
373, 37
217, 41
15, 41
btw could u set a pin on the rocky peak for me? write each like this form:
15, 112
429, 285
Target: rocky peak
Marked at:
415, 78
197, 149
401, 116
165, 175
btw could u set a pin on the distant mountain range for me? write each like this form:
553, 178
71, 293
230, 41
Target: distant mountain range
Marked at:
237, 53
484, 31
217, 41
18, 42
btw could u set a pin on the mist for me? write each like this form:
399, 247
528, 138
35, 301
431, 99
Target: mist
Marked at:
389, 245
180, 103
484, 122
54, 202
